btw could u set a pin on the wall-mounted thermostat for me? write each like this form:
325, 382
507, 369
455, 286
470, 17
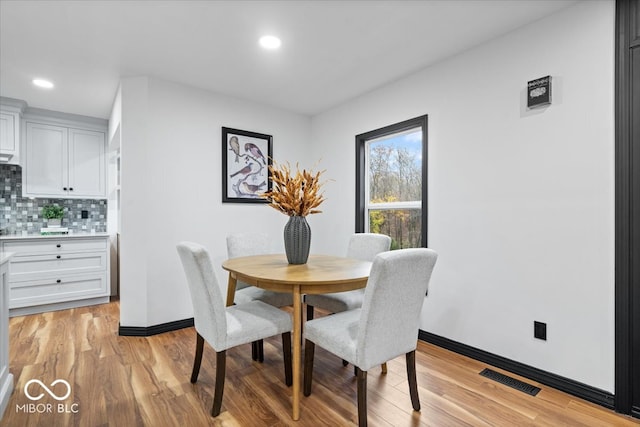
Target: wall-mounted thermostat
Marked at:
539, 92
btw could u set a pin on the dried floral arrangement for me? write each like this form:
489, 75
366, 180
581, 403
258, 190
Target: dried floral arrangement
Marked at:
295, 195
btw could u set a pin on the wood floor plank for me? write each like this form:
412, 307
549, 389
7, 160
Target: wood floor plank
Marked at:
144, 381
85, 393
120, 402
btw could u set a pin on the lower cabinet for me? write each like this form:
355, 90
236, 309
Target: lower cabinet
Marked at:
6, 378
49, 273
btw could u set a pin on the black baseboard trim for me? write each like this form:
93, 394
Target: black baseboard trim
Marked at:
146, 331
578, 389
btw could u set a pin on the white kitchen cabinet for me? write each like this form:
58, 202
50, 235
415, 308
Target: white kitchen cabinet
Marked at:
6, 378
64, 162
46, 161
9, 137
56, 272
87, 163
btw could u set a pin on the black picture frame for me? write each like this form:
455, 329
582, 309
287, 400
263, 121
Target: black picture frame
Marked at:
246, 157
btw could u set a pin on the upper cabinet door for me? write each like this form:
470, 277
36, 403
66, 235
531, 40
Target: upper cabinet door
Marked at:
63, 162
46, 161
9, 137
87, 164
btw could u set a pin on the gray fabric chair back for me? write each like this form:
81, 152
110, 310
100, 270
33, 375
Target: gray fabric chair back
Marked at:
206, 296
246, 244
390, 317
365, 246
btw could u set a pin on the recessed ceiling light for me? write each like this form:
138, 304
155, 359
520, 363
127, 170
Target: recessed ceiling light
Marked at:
270, 42
46, 84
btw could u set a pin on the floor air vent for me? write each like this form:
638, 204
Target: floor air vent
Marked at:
511, 382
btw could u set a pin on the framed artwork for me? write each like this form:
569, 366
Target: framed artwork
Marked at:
246, 157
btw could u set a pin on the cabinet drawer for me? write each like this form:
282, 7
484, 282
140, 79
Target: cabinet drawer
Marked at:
28, 247
46, 291
33, 267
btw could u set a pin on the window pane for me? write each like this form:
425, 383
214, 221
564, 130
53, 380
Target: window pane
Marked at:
395, 167
391, 182
402, 225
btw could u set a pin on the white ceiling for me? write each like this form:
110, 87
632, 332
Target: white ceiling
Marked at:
331, 51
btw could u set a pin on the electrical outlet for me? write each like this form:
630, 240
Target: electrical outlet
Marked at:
539, 330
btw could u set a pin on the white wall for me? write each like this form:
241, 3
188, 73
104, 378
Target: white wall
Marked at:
171, 188
113, 211
521, 203
134, 310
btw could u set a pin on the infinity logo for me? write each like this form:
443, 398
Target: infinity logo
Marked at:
52, 394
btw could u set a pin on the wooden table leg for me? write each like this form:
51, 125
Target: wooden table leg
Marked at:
231, 289
297, 336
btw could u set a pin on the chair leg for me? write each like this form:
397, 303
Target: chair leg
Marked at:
362, 397
260, 351
257, 351
254, 350
411, 376
198, 359
221, 362
309, 349
286, 351
309, 312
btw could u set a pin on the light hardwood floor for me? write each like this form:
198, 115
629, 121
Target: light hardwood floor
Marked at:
133, 381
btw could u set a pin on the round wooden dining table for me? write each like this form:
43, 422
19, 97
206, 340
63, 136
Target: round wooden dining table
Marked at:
321, 274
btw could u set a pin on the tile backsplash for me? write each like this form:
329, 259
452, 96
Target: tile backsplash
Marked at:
18, 214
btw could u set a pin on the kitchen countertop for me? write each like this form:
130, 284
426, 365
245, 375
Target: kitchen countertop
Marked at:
52, 236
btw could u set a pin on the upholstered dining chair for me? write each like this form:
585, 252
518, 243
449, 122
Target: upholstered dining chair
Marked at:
246, 244
363, 246
226, 327
385, 327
